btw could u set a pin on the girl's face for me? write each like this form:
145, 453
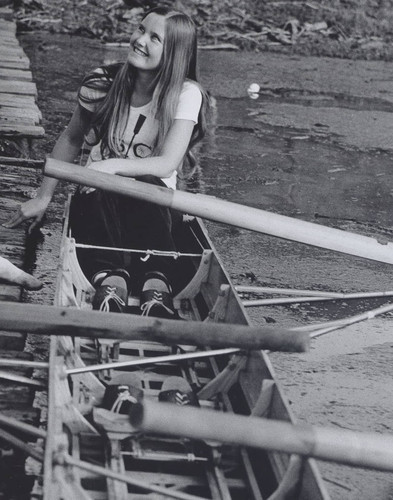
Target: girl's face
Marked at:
147, 43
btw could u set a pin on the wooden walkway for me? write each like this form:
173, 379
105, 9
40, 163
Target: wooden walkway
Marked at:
20, 120
20, 117
19, 124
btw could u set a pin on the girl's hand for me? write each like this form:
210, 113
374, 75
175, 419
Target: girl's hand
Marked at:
31, 209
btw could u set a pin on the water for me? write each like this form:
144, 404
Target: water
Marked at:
316, 145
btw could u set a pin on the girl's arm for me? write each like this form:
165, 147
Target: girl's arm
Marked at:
66, 149
163, 166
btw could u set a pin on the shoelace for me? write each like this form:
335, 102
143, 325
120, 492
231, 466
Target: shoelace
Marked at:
156, 300
124, 395
182, 399
110, 294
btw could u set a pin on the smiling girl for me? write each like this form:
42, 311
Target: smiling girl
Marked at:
141, 118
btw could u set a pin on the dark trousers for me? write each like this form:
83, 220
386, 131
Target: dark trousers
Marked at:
107, 219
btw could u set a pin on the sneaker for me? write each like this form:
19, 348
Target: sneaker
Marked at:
124, 391
178, 391
156, 296
112, 288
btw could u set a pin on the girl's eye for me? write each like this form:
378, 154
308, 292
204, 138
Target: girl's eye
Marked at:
141, 29
156, 38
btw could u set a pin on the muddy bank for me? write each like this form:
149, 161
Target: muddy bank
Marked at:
297, 150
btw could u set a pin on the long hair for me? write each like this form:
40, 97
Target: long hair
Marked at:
178, 63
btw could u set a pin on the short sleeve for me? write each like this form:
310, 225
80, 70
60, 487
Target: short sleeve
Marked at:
190, 102
93, 90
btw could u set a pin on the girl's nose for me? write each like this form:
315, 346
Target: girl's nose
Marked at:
141, 40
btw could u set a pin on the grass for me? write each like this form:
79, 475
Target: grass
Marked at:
362, 29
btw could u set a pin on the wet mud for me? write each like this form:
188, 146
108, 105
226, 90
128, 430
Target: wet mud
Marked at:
316, 145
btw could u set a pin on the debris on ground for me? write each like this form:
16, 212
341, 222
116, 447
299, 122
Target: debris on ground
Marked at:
224, 25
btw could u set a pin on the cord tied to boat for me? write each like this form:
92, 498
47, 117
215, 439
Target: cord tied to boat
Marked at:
160, 253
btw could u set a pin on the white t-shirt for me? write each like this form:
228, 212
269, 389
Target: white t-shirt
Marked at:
190, 101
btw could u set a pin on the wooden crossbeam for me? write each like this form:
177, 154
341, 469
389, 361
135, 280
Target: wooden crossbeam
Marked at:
50, 320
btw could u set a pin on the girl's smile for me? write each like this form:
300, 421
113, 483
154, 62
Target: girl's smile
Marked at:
147, 43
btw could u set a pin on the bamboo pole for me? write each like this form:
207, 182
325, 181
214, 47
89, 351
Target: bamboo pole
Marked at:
318, 329
227, 212
12, 377
22, 426
368, 450
352, 320
21, 445
311, 298
50, 320
284, 291
283, 301
20, 363
170, 358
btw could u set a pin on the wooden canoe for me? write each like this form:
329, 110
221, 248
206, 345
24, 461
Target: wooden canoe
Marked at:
93, 452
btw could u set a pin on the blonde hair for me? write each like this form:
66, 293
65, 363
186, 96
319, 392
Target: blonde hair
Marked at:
178, 63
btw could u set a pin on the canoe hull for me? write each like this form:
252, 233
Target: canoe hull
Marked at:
241, 383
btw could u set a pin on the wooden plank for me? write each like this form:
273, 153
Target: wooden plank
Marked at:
22, 131
14, 87
17, 64
14, 58
8, 41
21, 162
31, 114
17, 101
15, 74
13, 50
16, 120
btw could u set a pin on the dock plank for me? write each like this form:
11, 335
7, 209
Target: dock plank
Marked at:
12, 49
20, 88
14, 58
19, 121
17, 101
30, 113
15, 121
21, 63
17, 131
15, 74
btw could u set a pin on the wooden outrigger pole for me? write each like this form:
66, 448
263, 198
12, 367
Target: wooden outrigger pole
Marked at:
361, 449
211, 208
58, 321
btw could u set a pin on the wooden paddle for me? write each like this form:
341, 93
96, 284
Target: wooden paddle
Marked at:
235, 214
368, 450
50, 320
